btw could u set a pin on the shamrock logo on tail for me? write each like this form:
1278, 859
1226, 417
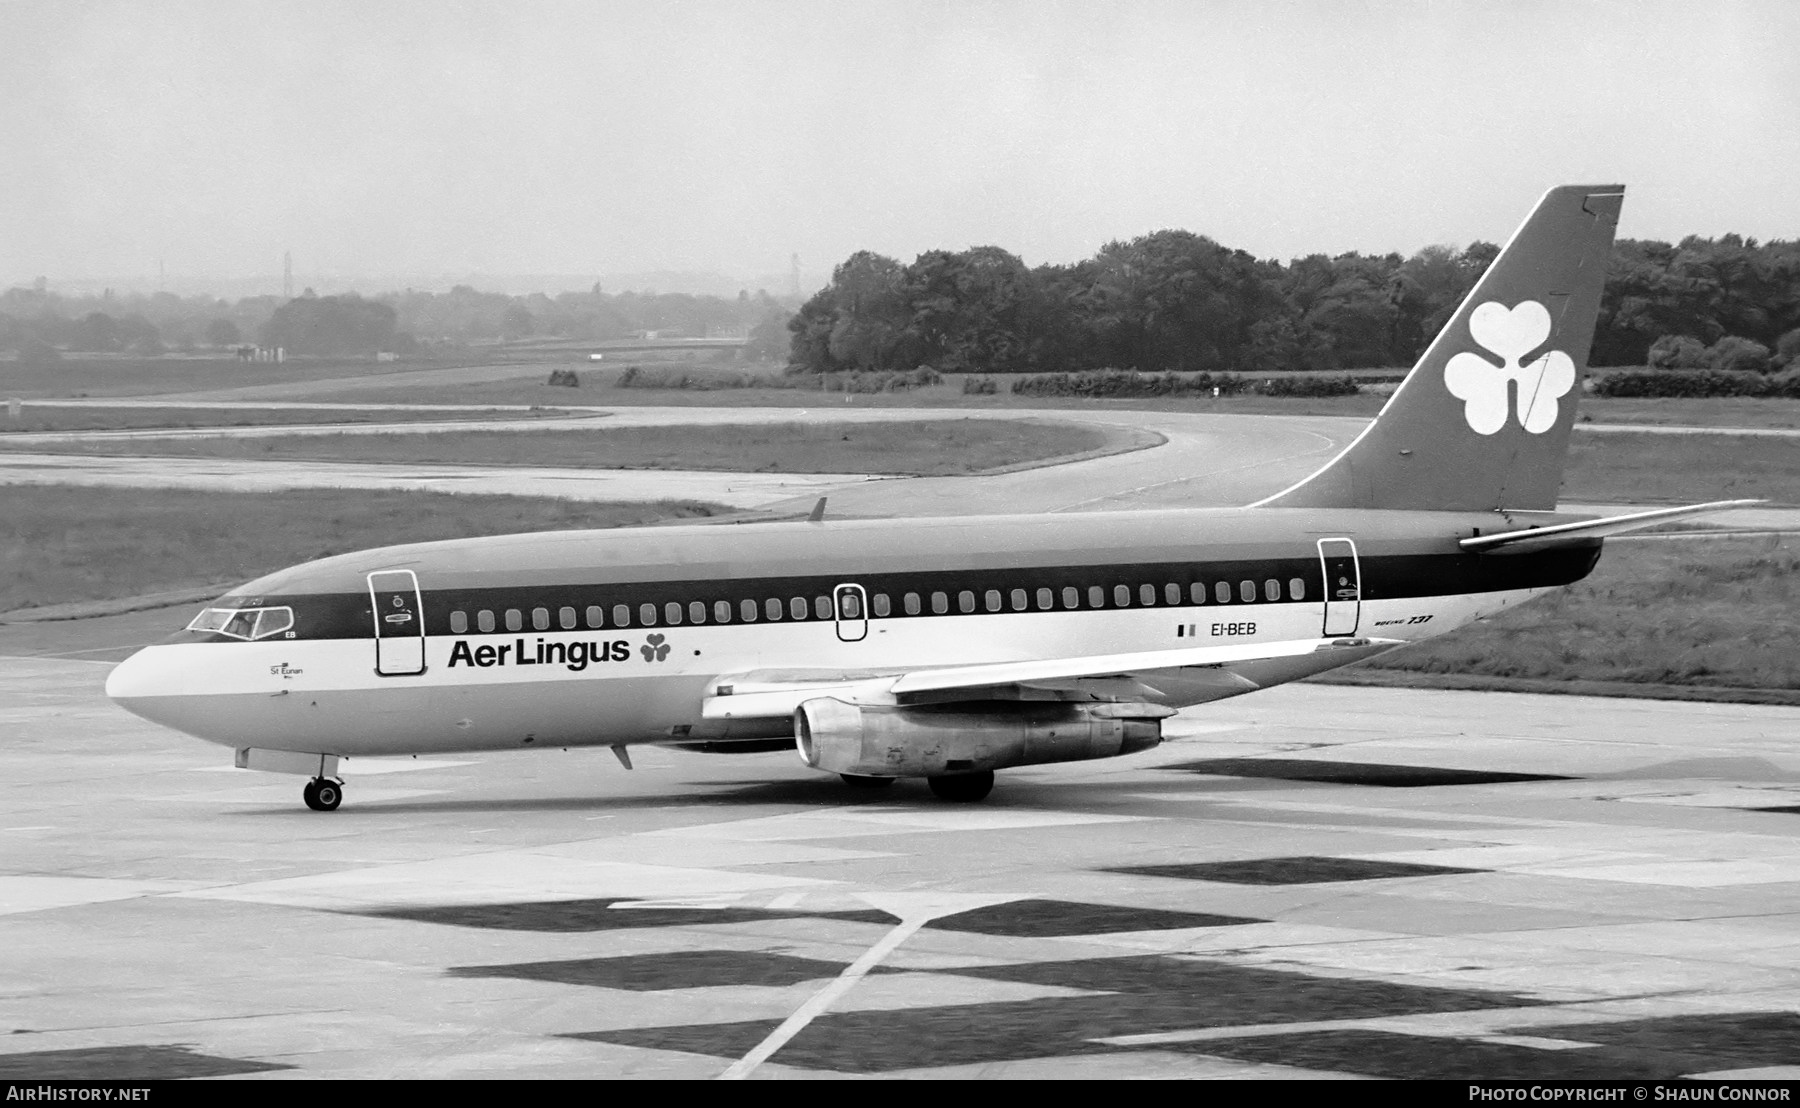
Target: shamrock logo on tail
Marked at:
1510, 335
654, 648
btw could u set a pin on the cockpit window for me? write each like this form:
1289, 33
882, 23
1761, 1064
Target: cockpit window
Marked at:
244, 623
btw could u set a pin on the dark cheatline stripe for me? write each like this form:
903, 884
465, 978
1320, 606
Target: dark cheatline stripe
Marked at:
1392, 577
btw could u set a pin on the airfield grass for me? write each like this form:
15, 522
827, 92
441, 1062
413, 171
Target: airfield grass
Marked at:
36, 417
63, 544
76, 376
1630, 468
1713, 612
939, 447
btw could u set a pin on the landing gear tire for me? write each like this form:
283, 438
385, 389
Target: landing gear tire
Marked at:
323, 795
965, 787
856, 781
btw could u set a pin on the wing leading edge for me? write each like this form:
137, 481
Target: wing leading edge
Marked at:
769, 694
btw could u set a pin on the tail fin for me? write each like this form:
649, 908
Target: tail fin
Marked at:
1483, 421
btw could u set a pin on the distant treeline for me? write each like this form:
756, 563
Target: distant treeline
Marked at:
1179, 301
1169, 301
42, 324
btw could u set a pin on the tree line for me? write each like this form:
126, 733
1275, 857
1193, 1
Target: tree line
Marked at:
1174, 300
40, 323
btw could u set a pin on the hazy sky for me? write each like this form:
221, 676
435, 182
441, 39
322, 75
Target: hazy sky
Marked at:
391, 138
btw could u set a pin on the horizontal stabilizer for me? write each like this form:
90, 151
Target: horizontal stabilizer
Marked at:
1540, 538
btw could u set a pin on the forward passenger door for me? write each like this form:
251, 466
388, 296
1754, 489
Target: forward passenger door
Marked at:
399, 623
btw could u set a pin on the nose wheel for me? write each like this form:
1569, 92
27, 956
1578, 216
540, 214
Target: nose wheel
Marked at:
323, 794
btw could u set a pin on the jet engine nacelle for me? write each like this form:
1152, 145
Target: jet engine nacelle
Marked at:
928, 741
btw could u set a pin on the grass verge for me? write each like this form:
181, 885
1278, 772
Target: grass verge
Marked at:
929, 447
63, 545
1718, 614
40, 418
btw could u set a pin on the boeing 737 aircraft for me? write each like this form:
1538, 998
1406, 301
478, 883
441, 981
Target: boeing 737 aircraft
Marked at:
935, 648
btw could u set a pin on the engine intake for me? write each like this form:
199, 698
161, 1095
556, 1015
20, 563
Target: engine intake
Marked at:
928, 741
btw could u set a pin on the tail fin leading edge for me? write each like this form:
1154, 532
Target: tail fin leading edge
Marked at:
1482, 422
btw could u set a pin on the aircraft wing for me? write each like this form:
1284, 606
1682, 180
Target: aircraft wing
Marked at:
1539, 538
769, 694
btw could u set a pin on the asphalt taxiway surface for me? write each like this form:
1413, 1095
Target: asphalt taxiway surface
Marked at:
1311, 881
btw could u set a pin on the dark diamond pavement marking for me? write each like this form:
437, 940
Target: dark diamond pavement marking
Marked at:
1728, 1040
1394, 1055
1305, 870
679, 970
124, 1063
1039, 919
1355, 773
718, 1040
602, 915
1136, 995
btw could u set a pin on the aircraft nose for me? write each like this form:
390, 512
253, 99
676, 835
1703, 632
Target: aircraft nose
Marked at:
131, 679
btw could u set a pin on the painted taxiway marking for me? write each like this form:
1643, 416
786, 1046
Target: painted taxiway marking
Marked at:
914, 910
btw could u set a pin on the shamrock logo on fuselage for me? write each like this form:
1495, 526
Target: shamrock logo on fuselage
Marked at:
654, 648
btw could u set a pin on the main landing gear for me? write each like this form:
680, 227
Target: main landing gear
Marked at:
323, 794
967, 787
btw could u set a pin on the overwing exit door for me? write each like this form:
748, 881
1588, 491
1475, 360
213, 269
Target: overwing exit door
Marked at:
399, 622
852, 612
1343, 586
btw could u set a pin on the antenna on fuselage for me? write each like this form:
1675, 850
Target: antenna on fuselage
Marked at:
817, 515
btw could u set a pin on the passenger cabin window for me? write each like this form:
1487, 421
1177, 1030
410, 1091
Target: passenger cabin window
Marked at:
747, 609
911, 602
515, 619
1045, 600
540, 619
1019, 600
1297, 588
772, 607
822, 607
1197, 592
991, 600
1247, 591
1122, 595
940, 603
1071, 597
595, 617
565, 618
1147, 595
965, 601
1172, 593
1096, 596
484, 619
881, 605
646, 615
850, 605
696, 611
1222, 592
672, 613
1271, 589
621, 615
721, 611
797, 607
459, 623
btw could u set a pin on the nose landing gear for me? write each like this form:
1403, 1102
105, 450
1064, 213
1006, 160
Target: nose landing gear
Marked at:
323, 794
